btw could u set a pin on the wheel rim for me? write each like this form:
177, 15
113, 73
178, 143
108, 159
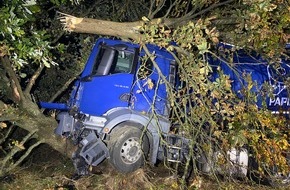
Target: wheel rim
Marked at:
131, 150
281, 179
286, 179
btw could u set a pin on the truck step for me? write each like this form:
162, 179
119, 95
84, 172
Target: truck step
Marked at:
94, 151
173, 148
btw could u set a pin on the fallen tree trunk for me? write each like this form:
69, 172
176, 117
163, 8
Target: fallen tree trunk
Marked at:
101, 27
40, 130
26, 114
42, 125
130, 30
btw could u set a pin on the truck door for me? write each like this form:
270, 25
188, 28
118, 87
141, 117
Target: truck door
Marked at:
109, 83
149, 89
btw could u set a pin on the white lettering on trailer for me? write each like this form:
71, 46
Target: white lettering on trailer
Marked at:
279, 101
121, 86
279, 112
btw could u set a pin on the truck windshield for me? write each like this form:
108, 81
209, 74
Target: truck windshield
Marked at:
111, 61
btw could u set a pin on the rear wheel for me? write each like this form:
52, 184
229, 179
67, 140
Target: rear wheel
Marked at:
278, 179
128, 146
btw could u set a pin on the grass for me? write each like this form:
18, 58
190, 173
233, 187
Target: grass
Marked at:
56, 177
48, 170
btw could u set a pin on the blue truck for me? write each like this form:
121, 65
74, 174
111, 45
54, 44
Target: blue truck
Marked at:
116, 113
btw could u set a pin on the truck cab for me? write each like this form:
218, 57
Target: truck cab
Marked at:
113, 102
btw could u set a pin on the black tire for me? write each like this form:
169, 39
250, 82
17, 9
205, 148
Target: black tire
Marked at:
277, 179
127, 149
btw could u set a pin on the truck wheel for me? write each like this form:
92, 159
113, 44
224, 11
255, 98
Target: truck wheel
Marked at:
279, 180
128, 146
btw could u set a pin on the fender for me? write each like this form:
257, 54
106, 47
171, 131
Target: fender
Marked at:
119, 115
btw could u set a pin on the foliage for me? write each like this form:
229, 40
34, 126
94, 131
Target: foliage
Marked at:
20, 39
260, 25
25, 49
209, 112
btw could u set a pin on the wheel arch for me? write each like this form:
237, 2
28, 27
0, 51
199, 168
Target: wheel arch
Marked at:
116, 117
122, 117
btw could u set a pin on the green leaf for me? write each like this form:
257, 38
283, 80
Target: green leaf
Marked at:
46, 63
9, 30
23, 75
203, 47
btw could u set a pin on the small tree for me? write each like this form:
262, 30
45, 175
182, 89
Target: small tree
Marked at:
24, 52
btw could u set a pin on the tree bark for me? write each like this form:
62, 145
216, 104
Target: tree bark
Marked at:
17, 92
27, 115
101, 27
44, 127
129, 30
33, 79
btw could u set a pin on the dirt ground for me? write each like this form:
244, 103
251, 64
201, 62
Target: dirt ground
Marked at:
49, 170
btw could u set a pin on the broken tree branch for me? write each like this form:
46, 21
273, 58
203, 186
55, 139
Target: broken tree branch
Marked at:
33, 79
15, 149
152, 12
62, 89
8, 132
27, 153
101, 27
190, 15
16, 87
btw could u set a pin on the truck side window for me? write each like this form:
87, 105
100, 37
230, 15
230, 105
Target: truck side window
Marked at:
123, 63
146, 68
111, 61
